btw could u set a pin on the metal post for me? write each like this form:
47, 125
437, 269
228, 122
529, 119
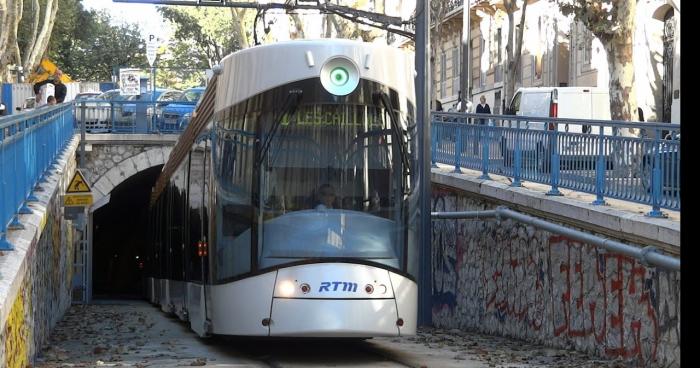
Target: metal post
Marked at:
423, 114
554, 164
82, 135
600, 170
458, 149
153, 99
518, 158
656, 178
466, 56
484, 151
433, 145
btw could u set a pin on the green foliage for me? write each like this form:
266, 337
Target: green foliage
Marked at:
599, 16
203, 36
87, 47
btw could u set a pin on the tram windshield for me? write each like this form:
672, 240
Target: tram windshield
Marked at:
332, 182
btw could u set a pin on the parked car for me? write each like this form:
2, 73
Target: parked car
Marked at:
176, 115
128, 110
97, 111
86, 96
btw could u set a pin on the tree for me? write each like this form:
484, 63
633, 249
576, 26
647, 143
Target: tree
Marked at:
25, 30
88, 47
513, 57
213, 32
612, 22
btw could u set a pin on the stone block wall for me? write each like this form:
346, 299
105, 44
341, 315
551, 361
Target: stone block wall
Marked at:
510, 279
35, 278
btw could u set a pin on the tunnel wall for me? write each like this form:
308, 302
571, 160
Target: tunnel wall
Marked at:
510, 279
35, 278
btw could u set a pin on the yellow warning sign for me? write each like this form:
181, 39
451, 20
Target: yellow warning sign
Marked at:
78, 184
77, 200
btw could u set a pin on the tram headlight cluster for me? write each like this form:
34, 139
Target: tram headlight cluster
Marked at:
340, 76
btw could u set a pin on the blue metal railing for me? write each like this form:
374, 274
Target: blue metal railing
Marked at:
30, 143
638, 162
100, 116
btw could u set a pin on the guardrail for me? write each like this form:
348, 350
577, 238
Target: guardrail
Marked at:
30, 142
101, 116
638, 162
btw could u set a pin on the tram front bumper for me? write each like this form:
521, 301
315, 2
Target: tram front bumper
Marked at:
334, 317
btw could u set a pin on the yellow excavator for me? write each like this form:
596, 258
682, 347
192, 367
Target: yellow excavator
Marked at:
47, 70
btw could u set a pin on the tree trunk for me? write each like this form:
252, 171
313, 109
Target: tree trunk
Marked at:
44, 36
513, 57
623, 99
32, 38
298, 26
10, 15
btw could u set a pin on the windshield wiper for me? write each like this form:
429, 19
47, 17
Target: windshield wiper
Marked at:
290, 106
384, 99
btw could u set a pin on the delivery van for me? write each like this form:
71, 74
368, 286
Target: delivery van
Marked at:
588, 103
562, 102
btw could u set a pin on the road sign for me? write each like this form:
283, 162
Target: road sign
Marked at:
80, 200
130, 82
151, 48
78, 184
78, 193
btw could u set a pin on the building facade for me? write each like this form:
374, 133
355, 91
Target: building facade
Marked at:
556, 51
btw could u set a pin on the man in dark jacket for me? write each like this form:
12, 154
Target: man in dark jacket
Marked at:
60, 89
483, 108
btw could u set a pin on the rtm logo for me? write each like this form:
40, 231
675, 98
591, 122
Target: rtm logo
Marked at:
347, 286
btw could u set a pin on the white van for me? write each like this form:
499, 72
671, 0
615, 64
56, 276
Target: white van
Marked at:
558, 102
562, 102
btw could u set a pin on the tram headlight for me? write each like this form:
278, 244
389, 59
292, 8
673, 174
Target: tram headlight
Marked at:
286, 288
340, 76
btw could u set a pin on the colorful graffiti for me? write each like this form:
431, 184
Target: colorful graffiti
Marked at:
510, 279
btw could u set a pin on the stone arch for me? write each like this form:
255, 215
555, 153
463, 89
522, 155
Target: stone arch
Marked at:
126, 168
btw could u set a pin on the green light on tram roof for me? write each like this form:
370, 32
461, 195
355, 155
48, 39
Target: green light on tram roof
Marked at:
340, 76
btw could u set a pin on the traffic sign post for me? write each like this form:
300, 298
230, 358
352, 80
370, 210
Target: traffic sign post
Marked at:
78, 196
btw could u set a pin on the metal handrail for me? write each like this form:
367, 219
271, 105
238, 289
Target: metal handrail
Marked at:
648, 255
590, 156
30, 143
593, 122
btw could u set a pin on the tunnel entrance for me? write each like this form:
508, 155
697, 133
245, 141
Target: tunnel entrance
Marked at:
119, 239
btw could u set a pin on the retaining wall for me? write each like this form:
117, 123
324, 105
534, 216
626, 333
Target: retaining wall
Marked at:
35, 278
509, 279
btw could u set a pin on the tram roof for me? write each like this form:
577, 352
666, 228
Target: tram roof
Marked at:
251, 71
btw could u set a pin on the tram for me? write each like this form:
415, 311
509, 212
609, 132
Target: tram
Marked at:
289, 205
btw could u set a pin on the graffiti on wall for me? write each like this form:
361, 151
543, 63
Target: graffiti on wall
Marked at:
511, 279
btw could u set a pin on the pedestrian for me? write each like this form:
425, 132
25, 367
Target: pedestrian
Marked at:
483, 108
51, 100
60, 89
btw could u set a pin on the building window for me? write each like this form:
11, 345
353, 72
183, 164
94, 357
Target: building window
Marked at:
587, 47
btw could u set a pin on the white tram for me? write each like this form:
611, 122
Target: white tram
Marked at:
292, 211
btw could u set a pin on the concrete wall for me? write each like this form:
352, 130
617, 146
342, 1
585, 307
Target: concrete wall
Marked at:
505, 278
35, 278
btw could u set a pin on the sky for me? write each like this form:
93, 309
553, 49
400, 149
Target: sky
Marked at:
145, 15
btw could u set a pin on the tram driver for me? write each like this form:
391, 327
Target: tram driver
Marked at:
326, 197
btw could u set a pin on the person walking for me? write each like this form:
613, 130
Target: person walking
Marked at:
483, 108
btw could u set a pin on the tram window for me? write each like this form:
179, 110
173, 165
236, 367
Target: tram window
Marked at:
233, 239
351, 150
